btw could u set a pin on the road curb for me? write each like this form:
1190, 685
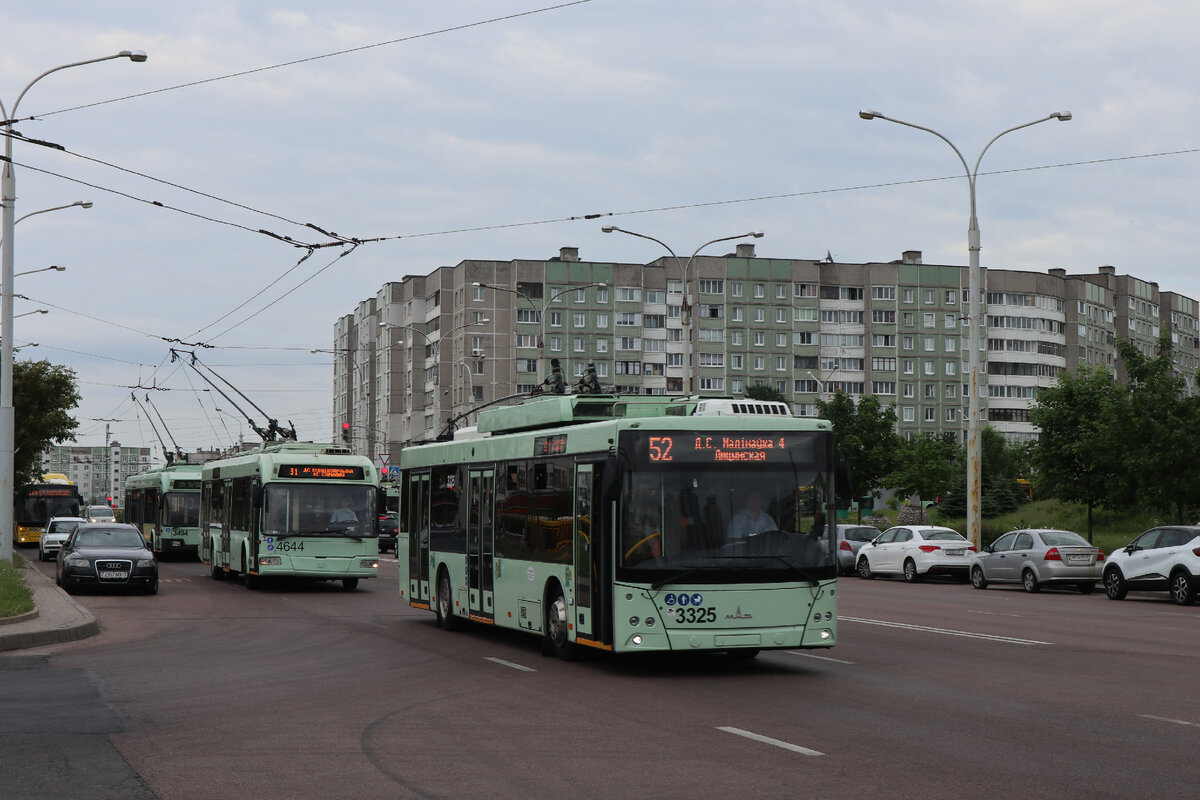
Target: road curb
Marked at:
57, 618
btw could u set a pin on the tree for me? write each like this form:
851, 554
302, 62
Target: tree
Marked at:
865, 437
43, 396
1076, 457
1156, 432
761, 391
926, 466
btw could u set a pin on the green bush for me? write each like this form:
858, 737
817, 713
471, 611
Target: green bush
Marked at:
15, 597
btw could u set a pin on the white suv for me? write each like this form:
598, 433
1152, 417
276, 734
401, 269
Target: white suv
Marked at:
1161, 558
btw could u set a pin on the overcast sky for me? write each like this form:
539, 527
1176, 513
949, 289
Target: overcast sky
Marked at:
468, 129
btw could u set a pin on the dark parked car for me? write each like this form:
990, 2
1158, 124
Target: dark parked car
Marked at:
389, 525
106, 554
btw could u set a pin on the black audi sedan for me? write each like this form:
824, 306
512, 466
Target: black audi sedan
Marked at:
106, 554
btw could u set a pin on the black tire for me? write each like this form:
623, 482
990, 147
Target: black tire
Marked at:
1086, 588
1183, 588
910, 571
1114, 584
151, 587
558, 640
863, 568
1029, 581
216, 572
69, 586
349, 584
978, 579
445, 603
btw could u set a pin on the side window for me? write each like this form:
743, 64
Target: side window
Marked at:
1149, 539
886, 536
904, 535
1005, 542
1173, 537
1024, 542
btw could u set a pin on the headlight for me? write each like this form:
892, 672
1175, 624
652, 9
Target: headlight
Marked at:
270, 561
369, 563
77, 561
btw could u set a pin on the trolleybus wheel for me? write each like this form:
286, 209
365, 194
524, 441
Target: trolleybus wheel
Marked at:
557, 639
216, 572
349, 584
445, 608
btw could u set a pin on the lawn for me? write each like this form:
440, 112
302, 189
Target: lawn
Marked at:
15, 597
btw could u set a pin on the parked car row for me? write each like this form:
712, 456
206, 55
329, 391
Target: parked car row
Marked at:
1166, 558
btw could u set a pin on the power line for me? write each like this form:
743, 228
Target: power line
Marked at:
309, 59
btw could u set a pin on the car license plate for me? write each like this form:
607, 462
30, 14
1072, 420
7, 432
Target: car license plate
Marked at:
954, 552
1079, 559
176, 543
114, 576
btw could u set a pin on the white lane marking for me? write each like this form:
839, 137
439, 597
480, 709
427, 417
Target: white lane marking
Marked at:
944, 631
1172, 721
795, 748
992, 613
819, 658
510, 664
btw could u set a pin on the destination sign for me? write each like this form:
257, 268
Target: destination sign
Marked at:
321, 472
719, 448
185, 483
53, 491
550, 445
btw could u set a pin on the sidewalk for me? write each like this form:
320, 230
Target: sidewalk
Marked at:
58, 617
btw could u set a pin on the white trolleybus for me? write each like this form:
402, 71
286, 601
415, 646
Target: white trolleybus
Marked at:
291, 509
627, 524
164, 504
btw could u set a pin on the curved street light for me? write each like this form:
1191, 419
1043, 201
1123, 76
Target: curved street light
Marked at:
80, 203
974, 471
684, 271
8, 200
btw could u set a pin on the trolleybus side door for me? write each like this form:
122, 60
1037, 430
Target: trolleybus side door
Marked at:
418, 531
480, 483
586, 571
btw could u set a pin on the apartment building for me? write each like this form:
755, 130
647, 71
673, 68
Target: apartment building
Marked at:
97, 471
428, 350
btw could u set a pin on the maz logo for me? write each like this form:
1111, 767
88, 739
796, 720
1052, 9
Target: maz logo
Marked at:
739, 615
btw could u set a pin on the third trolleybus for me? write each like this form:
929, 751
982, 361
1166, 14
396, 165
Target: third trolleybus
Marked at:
627, 524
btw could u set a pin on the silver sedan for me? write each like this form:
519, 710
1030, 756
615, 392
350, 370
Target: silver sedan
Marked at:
1038, 557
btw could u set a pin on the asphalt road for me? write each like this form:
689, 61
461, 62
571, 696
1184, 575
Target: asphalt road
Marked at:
936, 690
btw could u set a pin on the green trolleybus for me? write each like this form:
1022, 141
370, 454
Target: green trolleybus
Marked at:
291, 509
164, 504
627, 524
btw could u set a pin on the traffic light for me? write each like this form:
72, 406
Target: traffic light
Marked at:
346, 432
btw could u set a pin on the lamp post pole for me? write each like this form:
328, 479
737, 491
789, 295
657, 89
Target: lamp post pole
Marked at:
974, 281
684, 270
8, 199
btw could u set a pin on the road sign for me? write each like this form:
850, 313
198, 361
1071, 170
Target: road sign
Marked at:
383, 458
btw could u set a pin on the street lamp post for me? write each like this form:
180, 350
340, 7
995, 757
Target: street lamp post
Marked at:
974, 279
8, 199
79, 203
684, 271
542, 309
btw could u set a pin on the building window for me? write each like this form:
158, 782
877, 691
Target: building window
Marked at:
760, 291
629, 294
478, 293
735, 289
712, 384
579, 320
602, 294
709, 286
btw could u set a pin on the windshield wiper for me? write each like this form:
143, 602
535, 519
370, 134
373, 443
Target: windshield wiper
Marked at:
343, 530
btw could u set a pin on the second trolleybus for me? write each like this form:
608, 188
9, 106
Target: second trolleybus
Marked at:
291, 509
620, 523
164, 504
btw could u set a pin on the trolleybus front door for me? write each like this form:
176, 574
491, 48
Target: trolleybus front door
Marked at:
585, 554
480, 507
418, 531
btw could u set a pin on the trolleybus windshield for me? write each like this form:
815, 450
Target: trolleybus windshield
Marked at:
724, 507
183, 509
319, 509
